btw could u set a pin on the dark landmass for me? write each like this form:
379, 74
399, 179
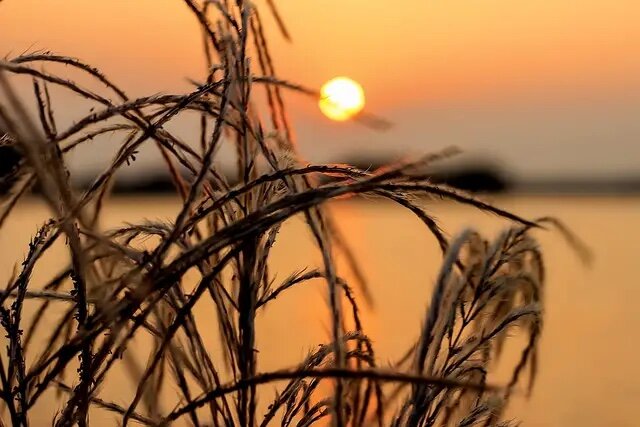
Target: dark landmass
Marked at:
472, 178
159, 184
475, 179
479, 177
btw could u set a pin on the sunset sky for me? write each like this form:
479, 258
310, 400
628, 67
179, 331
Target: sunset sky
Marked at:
549, 87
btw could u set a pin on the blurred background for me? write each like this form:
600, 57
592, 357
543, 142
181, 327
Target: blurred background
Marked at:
544, 92
542, 96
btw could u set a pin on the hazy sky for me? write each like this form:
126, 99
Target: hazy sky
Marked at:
550, 87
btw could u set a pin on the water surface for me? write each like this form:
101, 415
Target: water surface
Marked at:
589, 374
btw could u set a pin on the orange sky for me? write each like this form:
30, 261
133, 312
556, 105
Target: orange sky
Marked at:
498, 68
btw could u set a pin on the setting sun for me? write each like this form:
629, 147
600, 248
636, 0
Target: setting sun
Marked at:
341, 98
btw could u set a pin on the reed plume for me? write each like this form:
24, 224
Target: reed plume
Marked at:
117, 289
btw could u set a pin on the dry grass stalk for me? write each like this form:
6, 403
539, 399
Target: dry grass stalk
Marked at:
115, 291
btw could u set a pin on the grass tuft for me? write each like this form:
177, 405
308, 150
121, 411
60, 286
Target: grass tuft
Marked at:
115, 290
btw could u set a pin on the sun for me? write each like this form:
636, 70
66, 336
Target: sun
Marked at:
341, 98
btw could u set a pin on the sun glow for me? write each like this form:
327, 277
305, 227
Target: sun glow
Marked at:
341, 98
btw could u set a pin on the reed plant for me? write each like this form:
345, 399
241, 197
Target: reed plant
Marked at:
144, 279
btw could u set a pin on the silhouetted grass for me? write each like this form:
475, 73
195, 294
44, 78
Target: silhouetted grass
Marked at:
116, 289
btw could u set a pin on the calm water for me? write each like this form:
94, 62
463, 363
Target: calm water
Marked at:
589, 373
